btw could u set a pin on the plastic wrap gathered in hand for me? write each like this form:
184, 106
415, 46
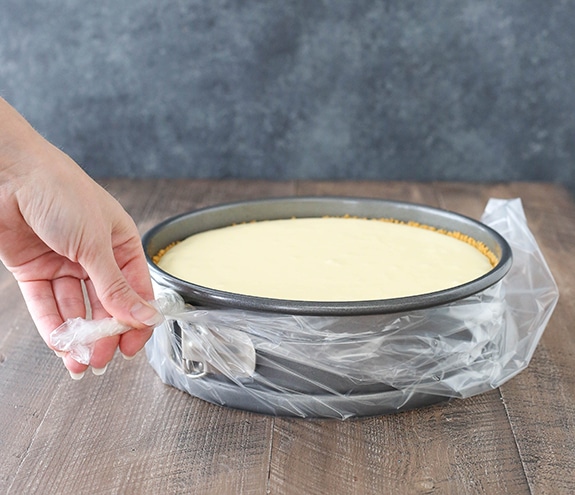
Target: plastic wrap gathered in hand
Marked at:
344, 366
78, 336
231, 352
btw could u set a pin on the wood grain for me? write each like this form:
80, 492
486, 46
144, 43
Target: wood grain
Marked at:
442, 449
128, 433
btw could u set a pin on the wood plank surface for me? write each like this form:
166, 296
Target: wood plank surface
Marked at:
127, 433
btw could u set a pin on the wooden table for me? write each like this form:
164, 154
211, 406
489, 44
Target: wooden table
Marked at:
127, 433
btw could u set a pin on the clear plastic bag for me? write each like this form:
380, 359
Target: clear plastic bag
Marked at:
345, 366
362, 365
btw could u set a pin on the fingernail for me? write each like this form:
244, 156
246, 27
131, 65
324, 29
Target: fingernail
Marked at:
99, 371
146, 314
60, 354
76, 376
128, 358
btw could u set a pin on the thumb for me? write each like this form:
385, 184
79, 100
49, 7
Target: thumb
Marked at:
117, 296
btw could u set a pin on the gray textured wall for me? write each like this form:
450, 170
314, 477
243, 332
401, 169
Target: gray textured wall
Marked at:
455, 89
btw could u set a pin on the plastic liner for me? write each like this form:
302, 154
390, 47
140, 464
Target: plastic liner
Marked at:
310, 366
346, 366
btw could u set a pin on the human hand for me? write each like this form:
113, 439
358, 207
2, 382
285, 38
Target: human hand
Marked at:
60, 230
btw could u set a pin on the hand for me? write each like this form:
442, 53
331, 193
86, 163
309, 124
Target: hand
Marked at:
59, 229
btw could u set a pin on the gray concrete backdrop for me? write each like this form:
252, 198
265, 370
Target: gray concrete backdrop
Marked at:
455, 89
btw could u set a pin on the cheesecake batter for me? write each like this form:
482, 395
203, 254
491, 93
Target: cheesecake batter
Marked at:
327, 259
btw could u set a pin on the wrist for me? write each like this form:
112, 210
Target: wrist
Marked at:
19, 145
